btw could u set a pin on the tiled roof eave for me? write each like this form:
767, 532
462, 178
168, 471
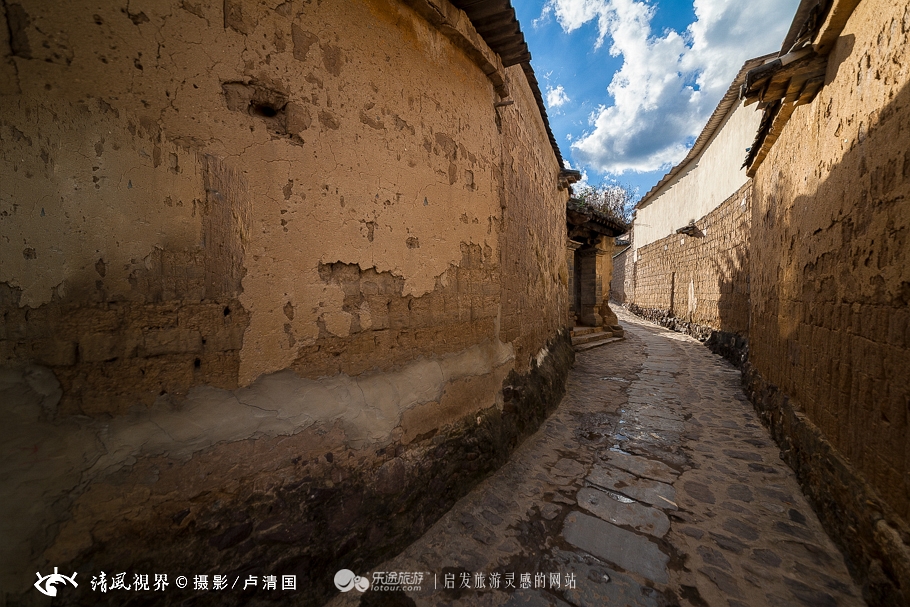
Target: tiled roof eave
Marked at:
797, 75
496, 22
728, 102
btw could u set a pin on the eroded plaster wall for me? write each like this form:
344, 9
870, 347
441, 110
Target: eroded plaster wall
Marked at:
177, 156
704, 183
605, 268
291, 248
830, 294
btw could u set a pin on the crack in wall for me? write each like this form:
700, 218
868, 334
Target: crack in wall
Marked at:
436, 337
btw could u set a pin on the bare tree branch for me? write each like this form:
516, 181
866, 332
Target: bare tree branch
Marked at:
614, 200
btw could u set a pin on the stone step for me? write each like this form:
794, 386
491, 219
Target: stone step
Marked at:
597, 333
617, 330
585, 330
607, 339
593, 336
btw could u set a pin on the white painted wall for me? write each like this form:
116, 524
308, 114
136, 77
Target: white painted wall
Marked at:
708, 180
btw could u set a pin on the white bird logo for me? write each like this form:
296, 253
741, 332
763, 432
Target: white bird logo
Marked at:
54, 578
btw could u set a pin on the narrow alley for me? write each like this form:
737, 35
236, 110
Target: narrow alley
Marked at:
352, 303
652, 484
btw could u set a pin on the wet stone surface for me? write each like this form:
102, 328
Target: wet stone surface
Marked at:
653, 484
629, 514
633, 552
657, 494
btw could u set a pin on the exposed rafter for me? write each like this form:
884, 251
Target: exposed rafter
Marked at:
797, 74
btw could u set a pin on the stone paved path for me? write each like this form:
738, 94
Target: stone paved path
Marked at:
653, 484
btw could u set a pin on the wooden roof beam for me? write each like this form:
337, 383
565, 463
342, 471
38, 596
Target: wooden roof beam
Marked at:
496, 21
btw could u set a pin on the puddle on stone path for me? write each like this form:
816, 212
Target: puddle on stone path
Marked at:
622, 499
614, 379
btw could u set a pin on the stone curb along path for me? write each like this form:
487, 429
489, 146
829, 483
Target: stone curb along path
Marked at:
653, 484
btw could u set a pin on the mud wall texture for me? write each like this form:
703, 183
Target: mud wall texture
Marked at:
261, 253
534, 292
535, 279
700, 279
621, 277
165, 175
830, 275
605, 269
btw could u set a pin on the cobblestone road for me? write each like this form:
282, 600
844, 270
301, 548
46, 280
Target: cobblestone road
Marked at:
653, 484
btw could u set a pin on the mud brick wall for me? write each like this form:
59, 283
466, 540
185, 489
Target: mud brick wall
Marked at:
605, 269
621, 287
388, 328
186, 184
255, 254
534, 293
703, 278
830, 291
122, 332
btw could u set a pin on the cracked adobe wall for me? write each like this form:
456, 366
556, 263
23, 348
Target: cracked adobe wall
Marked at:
830, 293
253, 251
194, 175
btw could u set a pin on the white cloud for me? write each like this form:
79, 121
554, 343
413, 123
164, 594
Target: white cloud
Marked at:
556, 97
668, 84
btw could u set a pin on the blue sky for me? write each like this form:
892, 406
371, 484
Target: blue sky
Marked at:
629, 84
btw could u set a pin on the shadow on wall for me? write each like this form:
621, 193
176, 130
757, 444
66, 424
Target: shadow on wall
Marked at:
830, 323
731, 339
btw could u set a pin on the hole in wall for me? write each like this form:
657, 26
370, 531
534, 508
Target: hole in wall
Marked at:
260, 101
197, 363
264, 110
